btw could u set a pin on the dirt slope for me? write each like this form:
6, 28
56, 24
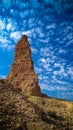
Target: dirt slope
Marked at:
18, 112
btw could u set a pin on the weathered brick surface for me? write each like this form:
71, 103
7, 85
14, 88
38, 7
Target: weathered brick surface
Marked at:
22, 73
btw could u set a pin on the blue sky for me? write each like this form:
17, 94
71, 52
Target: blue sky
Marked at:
49, 26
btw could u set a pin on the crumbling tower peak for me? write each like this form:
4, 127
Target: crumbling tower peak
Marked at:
24, 37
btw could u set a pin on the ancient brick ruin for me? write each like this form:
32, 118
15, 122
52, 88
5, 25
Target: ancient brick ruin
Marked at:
22, 74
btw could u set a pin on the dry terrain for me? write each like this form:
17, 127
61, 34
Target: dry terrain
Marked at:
20, 112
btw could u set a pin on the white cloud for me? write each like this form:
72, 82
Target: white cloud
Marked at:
11, 11
39, 30
23, 14
44, 40
56, 65
47, 51
38, 70
31, 21
51, 26
34, 50
5, 44
53, 88
4, 40
15, 35
46, 66
69, 28
2, 25
61, 51
46, 87
43, 60
61, 82
70, 42
60, 88
60, 70
32, 12
70, 72
29, 33
69, 36
9, 26
41, 35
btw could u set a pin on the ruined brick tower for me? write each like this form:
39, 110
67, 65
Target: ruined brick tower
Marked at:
22, 75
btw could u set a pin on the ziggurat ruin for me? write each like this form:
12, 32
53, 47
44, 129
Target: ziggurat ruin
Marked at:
22, 75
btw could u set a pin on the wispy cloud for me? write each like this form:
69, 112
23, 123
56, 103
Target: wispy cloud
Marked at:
34, 50
5, 44
15, 35
2, 25
51, 26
